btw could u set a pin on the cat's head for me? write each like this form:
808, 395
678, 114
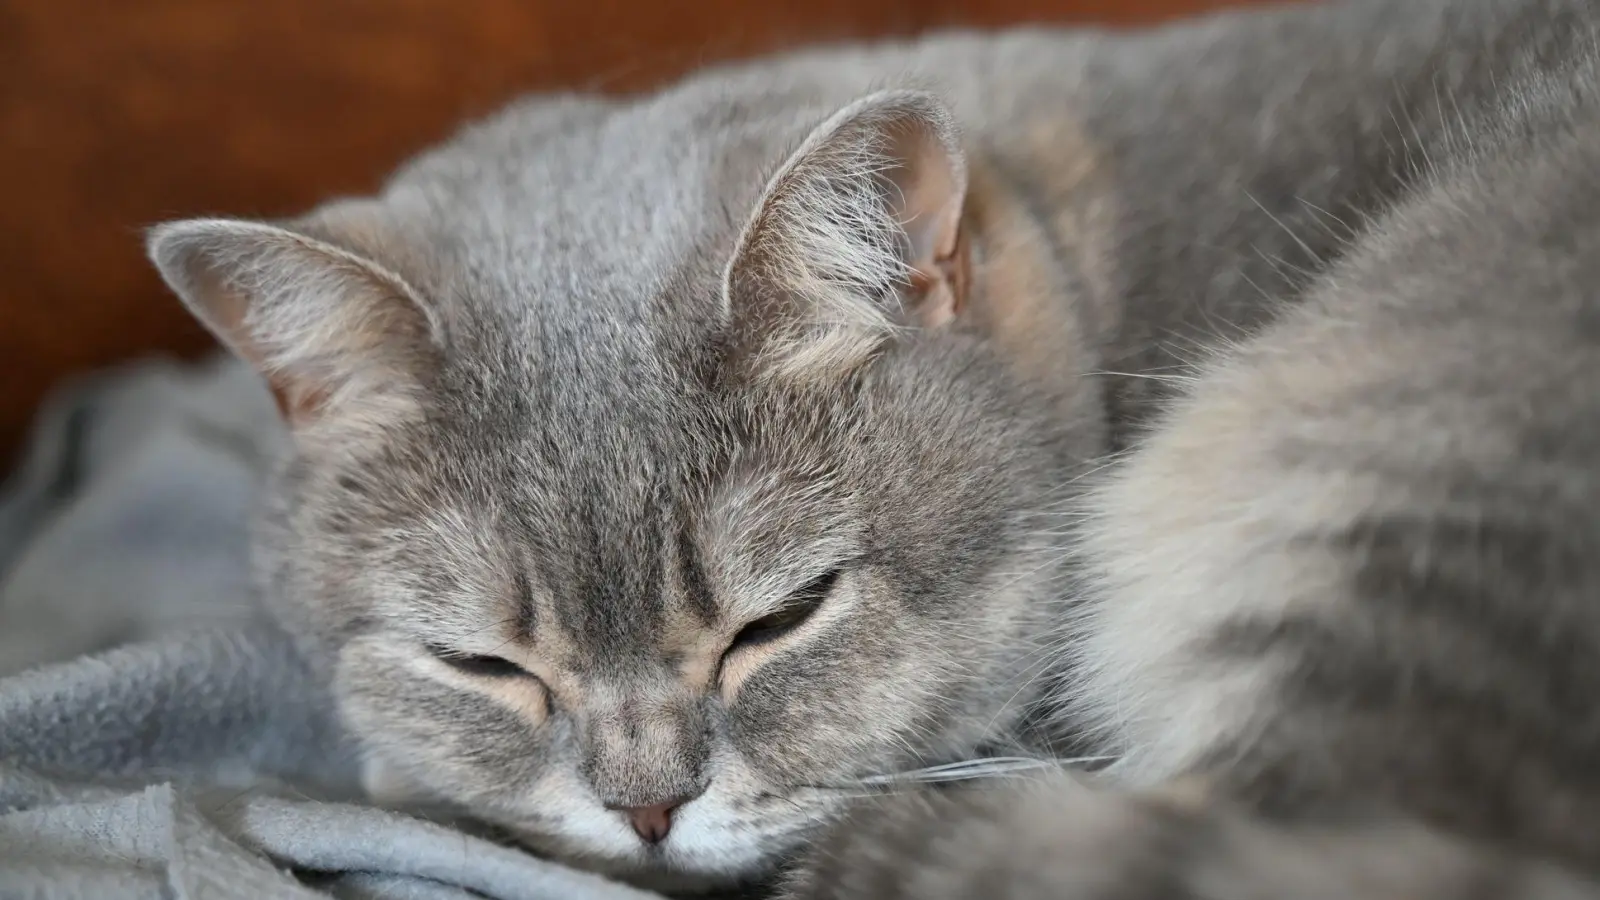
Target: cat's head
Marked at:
655, 480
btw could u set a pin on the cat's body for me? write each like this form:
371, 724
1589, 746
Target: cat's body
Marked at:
665, 467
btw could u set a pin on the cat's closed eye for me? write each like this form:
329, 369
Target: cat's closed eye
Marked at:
799, 607
482, 665
489, 666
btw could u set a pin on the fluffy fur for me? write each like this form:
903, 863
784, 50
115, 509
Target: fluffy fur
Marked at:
1224, 400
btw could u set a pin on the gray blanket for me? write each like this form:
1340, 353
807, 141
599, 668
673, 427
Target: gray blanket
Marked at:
157, 736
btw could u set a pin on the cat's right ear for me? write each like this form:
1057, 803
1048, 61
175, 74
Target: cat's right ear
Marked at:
326, 327
857, 237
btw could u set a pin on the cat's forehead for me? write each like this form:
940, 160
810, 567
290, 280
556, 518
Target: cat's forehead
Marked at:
624, 527
583, 197
606, 459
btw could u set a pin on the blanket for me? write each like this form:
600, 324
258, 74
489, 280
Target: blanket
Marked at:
158, 736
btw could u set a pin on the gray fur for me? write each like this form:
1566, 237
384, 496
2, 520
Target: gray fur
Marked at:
602, 380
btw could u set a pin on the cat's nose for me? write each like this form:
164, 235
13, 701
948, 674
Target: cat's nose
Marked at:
652, 822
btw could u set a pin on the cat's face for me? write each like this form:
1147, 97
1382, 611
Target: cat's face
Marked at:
652, 576
737, 601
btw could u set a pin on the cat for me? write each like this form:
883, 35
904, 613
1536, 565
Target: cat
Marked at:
670, 474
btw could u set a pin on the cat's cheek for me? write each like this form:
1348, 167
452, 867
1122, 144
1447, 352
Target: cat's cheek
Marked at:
387, 784
428, 738
836, 711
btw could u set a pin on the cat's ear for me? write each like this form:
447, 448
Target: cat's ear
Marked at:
856, 237
327, 327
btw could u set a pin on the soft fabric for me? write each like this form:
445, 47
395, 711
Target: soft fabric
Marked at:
187, 755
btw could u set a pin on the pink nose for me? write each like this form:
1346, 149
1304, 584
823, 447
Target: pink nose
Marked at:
651, 822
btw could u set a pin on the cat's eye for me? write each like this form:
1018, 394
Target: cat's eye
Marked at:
481, 665
799, 607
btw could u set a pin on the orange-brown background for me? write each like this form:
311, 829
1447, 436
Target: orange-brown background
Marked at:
114, 115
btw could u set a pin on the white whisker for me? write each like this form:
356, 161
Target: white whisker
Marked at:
973, 769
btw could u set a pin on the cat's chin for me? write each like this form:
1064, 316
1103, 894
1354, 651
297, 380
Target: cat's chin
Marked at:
684, 884
665, 878
667, 872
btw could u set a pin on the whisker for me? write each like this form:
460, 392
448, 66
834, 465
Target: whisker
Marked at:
966, 770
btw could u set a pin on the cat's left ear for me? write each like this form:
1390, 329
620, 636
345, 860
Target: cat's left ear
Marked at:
857, 237
334, 333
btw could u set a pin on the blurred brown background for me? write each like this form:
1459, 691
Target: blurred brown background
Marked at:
114, 115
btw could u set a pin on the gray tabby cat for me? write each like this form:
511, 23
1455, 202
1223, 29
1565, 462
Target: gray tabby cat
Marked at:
668, 470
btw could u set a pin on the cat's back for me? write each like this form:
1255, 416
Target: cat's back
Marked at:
1400, 480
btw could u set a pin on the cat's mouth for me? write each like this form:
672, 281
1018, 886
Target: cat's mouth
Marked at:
660, 868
